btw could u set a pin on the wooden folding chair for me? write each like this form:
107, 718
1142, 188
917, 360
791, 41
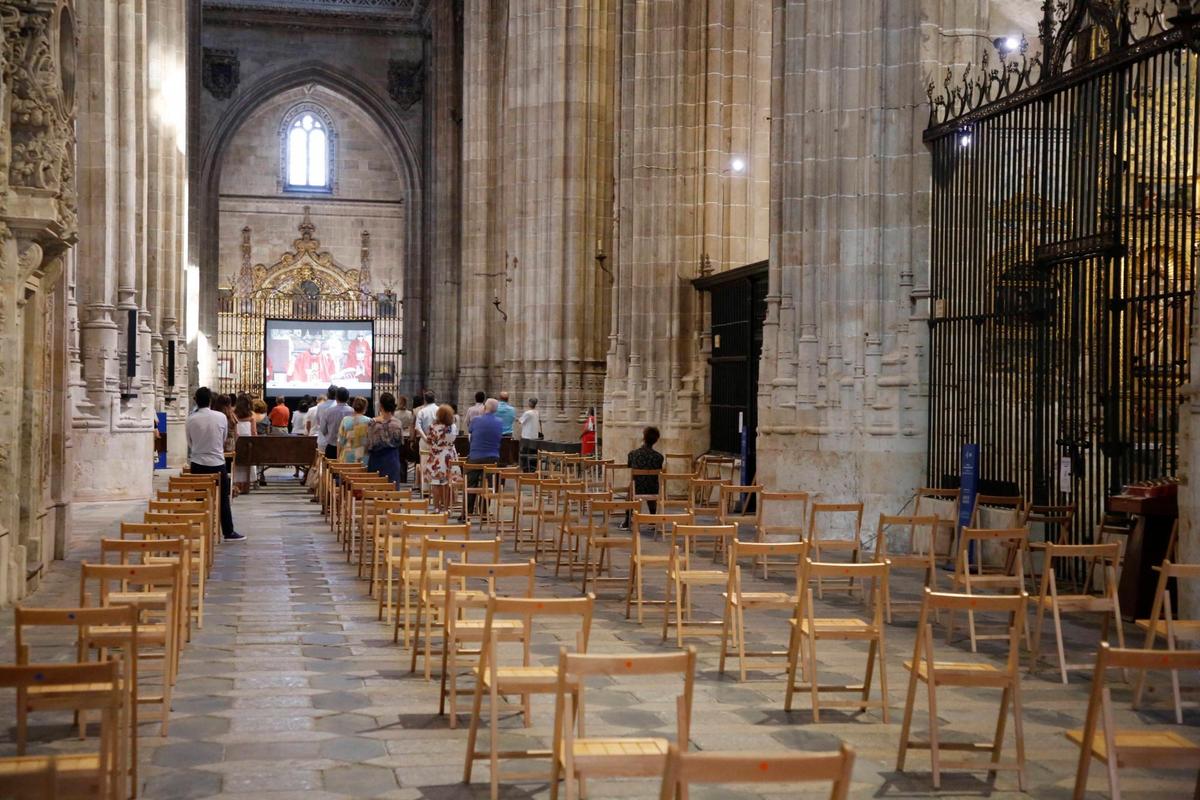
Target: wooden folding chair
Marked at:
706, 495
602, 539
500, 493
406, 564
685, 770
529, 498
462, 632
153, 591
652, 500
683, 577
210, 483
1100, 561
553, 513
943, 504
1116, 747
620, 481
77, 697
782, 516
89, 687
354, 488
924, 668
195, 511
495, 678
738, 601
998, 511
170, 526
680, 463
432, 586
1164, 621
916, 552
1056, 523
1006, 549
371, 508
582, 524
157, 551
391, 559
577, 756
200, 538
808, 629
824, 520
676, 491
639, 561
736, 502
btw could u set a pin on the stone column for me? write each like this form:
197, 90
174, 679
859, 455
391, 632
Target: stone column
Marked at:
842, 394
443, 148
537, 175
694, 85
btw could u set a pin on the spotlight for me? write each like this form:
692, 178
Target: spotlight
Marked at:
737, 165
1007, 45
964, 139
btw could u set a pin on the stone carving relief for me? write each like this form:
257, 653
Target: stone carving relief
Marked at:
305, 267
406, 82
221, 72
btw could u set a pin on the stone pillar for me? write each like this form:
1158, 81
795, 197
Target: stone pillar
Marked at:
537, 178
37, 224
443, 148
694, 89
842, 393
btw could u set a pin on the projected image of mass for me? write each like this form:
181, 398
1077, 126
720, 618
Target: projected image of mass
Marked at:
305, 356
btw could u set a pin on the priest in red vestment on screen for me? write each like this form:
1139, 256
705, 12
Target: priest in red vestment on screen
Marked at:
358, 358
312, 366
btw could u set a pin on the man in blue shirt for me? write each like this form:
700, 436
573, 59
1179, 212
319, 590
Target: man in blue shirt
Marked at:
506, 414
485, 446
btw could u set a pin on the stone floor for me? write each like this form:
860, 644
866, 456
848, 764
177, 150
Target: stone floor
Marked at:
294, 689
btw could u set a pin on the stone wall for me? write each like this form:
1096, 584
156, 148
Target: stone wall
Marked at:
694, 98
842, 394
367, 197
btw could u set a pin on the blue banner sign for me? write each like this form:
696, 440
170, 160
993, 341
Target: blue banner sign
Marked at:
969, 483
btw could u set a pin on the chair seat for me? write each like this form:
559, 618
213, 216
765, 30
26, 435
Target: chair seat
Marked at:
711, 576
1184, 628
749, 599
71, 688
969, 670
522, 676
1136, 747
15, 766
497, 624
1077, 602
619, 747
847, 625
155, 633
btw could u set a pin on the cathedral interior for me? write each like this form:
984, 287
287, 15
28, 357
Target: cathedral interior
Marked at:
839, 341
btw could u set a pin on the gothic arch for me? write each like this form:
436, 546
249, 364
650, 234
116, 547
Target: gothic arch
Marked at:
404, 152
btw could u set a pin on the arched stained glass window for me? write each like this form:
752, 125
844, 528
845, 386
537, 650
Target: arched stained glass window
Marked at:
307, 150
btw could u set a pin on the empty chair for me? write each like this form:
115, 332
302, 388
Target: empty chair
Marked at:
808, 629
1115, 747
91, 687
640, 562
992, 561
496, 677
578, 756
685, 769
835, 528
943, 504
436, 555
925, 668
683, 576
468, 587
583, 521
738, 600
782, 516
396, 556
601, 541
740, 505
1097, 595
917, 552
1165, 622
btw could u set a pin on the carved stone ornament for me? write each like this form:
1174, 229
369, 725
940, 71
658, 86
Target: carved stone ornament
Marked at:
406, 81
305, 263
221, 72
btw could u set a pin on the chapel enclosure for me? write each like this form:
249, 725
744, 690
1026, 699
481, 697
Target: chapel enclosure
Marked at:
1064, 236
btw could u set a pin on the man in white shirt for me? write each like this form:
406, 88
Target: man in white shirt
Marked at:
326, 404
206, 430
531, 431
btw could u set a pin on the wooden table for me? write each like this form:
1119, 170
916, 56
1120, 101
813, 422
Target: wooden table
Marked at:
1145, 549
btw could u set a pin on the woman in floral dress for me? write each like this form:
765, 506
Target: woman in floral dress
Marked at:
352, 436
441, 456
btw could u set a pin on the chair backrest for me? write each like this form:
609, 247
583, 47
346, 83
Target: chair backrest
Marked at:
99, 674
1015, 504
528, 610
462, 573
192, 519
905, 528
646, 476
735, 500
675, 485
1057, 522
663, 522
1161, 609
575, 668
683, 539
827, 518
935, 602
684, 463
159, 530
685, 769
127, 577
136, 551
1099, 559
973, 542
177, 506
784, 512
78, 618
436, 552
871, 571
767, 551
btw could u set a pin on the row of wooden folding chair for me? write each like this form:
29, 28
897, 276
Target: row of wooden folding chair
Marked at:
433, 586
99, 687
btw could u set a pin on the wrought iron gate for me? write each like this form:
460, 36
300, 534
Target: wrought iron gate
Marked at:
1064, 238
